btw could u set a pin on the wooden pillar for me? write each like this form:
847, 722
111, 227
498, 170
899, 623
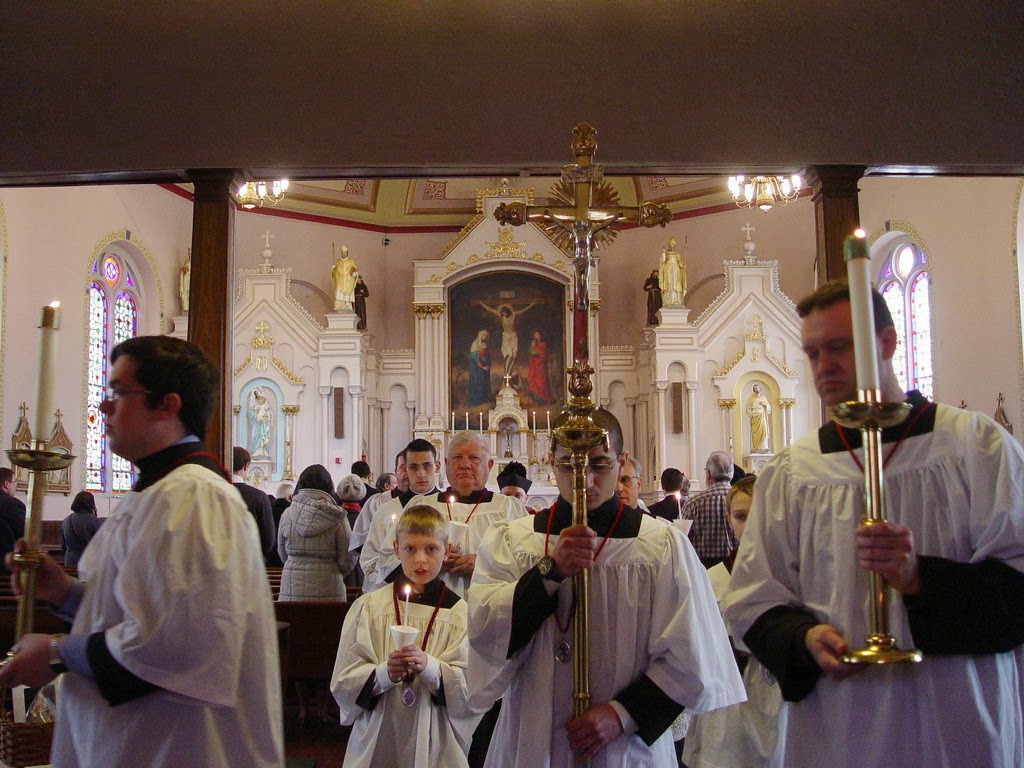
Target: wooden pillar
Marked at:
209, 321
836, 214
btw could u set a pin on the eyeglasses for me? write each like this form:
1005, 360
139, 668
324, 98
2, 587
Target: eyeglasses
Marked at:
595, 467
113, 394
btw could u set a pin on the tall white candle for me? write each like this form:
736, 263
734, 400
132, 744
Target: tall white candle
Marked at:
467, 419
534, 421
453, 421
548, 414
481, 423
49, 324
408, 591
858, 264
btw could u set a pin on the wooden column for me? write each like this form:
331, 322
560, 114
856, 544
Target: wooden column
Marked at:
209, 321
836, 214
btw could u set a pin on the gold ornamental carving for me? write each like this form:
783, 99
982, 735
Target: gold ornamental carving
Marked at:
787, 402
727, 405
505, 247
732, 364
422, 310
294, 378
289, 410
755, 332
236, 409
261, 340
782, 366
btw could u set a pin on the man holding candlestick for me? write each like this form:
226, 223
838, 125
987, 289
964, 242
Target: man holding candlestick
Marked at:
172, 656
952, 553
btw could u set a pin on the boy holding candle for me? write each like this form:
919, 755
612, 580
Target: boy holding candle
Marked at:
408, 705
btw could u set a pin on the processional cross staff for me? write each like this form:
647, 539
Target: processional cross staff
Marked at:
585, 219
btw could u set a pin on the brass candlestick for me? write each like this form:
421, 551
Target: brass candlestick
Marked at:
39, 461
871, 416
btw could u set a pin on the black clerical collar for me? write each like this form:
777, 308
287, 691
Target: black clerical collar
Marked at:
430, 592
476, 497
917, 423
599, 519
156, 466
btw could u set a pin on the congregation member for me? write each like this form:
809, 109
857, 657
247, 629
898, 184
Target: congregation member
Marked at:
313, 541
172, 657
78, 528
657, 639
951, 552
362, 470
672, 484
468, 501
710, 533
362, 525
378, 559
257, 502
406, 700
629, 483
743, 735
12, 515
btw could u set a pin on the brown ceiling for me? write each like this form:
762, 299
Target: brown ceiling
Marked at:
108, 90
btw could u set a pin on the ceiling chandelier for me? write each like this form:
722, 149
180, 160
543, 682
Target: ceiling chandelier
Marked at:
764, 191
260, 193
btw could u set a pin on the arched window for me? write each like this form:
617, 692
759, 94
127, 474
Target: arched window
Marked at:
903, 282
113, 317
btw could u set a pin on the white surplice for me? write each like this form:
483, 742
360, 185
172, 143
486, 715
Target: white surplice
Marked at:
960, 490
652, 612
176, 580
425, 735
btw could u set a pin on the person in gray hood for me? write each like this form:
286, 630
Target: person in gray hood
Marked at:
312, 541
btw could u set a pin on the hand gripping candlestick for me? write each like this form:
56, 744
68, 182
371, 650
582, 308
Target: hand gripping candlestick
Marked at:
584, 211
870, 415
39, 460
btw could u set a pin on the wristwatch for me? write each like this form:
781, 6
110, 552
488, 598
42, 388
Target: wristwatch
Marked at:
56, 663
547, 569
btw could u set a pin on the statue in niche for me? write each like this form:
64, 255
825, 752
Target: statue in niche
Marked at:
759, 411
343, 275
185, 282
672, 275
361, 292
653, 290
260, 422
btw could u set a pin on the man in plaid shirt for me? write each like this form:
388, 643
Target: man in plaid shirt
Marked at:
710, 534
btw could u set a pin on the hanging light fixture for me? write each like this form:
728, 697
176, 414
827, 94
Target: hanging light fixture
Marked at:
259, 193
764, 191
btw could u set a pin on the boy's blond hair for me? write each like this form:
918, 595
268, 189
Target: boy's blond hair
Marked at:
422, 519
744, 485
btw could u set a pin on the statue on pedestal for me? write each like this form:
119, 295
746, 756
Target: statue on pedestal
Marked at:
759, 410
361, 292
343, 275
184, 282
653, 290
672, 275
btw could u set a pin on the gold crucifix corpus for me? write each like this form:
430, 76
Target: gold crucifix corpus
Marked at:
585, 219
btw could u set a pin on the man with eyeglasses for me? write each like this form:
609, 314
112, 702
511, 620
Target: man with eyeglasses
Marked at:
172, 657
657, 639
628, 486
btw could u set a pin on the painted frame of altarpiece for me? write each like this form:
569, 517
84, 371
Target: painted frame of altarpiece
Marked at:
492, 315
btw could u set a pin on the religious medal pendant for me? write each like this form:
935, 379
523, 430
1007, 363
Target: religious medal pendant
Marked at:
408, 696
563, 651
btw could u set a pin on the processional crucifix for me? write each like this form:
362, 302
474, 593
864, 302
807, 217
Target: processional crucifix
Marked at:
584, 218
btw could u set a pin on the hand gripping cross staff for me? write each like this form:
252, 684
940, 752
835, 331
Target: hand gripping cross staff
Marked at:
585, 221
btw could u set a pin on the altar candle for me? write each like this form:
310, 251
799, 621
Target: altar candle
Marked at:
408, 591
467, 419
481, 423
49, 324
534, 421
858, 262
548, 414
453, 421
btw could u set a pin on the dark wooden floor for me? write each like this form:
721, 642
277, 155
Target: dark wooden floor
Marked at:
318, 737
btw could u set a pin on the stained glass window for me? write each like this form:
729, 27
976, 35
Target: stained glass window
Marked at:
903, 283
106, 330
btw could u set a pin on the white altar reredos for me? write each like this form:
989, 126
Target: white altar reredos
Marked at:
680, 393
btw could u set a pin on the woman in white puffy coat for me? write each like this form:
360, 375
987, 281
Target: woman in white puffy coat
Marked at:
312, 541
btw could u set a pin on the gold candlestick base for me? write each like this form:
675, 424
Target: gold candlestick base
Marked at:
855, 414
881, 649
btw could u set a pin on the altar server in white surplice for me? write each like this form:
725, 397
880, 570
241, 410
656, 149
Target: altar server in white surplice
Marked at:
172, 657
658, 643
407, 705
952, 553
466, 500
